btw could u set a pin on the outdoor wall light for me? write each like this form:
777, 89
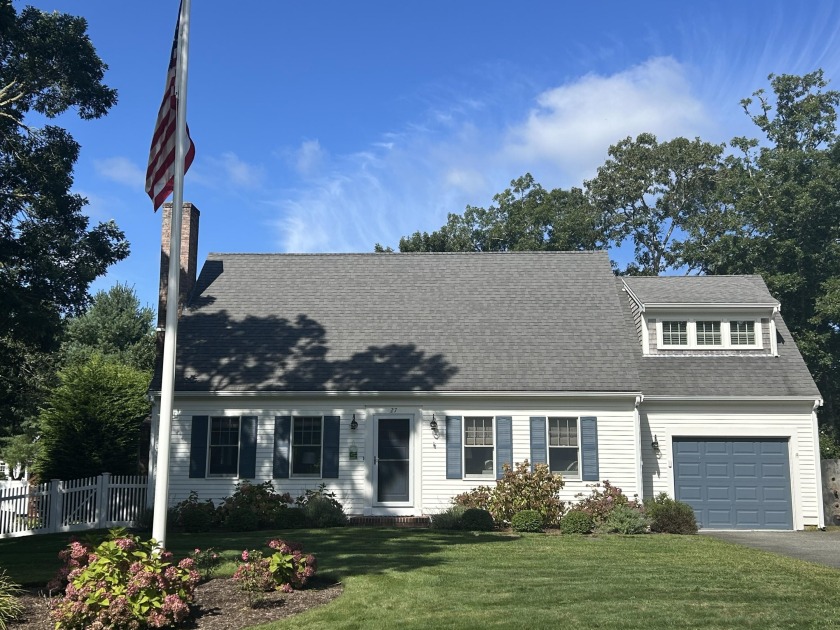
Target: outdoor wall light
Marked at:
655, 444
353, 424
433, 425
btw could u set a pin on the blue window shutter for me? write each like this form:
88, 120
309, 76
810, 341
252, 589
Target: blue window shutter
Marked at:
332, 431
589, 448
453, 447
539, 448
198, 447
504, 444
248, 447
282, 438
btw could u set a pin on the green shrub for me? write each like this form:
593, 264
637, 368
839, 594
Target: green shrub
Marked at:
829, 443
448, 519
476, 520
602, 500
624, 519
10, 606
576, 522
291, 518
527, 521
668, 516
321, 508
193, 516
519, 489
123, 583
262, 504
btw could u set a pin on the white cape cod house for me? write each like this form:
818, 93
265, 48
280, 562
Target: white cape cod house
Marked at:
401, 380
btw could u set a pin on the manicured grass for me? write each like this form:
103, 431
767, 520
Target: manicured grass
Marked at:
422, 579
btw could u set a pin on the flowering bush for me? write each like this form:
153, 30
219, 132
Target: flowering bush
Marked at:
252, 507
193, 515
123, 583
519, 489
206, 562
602, 500
285, 569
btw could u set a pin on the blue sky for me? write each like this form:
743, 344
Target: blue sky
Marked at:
330, 126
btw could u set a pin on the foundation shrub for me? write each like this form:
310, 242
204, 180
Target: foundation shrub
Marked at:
603, 499
527, 521
321, 508
478, 497
252, 507
624, 519
193, 516
122, 583
449, 518
576, 522
476, 520
668, 516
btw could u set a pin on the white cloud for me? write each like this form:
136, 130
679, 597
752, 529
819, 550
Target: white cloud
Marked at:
574, 124
309, 157
410, 179
239, 172
121, 170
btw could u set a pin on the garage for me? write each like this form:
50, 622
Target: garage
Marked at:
741, 483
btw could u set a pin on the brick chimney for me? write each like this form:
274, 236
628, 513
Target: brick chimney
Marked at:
189, 257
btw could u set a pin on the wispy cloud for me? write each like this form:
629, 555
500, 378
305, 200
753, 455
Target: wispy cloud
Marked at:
410, 179
239, 172
121, 170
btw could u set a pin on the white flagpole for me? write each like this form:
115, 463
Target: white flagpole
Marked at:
171, 329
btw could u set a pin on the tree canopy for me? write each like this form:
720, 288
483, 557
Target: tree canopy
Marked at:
49, 252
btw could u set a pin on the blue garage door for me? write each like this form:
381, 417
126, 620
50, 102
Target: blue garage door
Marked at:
735, 484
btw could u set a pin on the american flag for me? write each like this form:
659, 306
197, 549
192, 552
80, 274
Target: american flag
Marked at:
160, 174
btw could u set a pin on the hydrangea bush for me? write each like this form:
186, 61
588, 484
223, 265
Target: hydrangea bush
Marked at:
122, 583
286, 569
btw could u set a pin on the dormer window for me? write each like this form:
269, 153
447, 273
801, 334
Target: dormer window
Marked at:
674, 333
708, 333
742, 333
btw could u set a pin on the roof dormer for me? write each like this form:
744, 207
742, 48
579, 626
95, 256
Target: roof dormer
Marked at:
703, 315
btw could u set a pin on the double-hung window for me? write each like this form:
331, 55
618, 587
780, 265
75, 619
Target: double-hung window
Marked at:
307, 442
708, 333
563, 446
478, 446
674, 333
223, 447
742, 333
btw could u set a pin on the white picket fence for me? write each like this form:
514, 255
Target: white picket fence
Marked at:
68, 506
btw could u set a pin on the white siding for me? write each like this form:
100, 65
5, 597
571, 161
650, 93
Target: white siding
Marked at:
431, 490
785, 420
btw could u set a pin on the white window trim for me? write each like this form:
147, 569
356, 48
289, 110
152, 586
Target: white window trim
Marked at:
726, 340
292, 474
548, 446
465, 446
238, 448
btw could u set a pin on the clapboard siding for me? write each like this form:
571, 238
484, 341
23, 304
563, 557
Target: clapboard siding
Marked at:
667, 421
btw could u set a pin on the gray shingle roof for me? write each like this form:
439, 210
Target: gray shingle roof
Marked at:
523, 321
700, 289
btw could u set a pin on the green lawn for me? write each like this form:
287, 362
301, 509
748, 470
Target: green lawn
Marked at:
428, 579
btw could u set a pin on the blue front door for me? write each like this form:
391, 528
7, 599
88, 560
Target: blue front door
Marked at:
735, 483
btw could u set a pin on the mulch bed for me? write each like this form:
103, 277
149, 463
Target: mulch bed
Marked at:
220, 605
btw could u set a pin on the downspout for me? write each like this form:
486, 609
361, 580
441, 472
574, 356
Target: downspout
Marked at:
637, 427
820, 508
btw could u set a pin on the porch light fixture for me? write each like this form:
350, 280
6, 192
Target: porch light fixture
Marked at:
353, 424
655, 444
433, 425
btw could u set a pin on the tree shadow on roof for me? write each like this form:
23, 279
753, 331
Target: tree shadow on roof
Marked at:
217, 352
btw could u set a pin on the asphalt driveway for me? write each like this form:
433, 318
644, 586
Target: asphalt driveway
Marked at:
813, 546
